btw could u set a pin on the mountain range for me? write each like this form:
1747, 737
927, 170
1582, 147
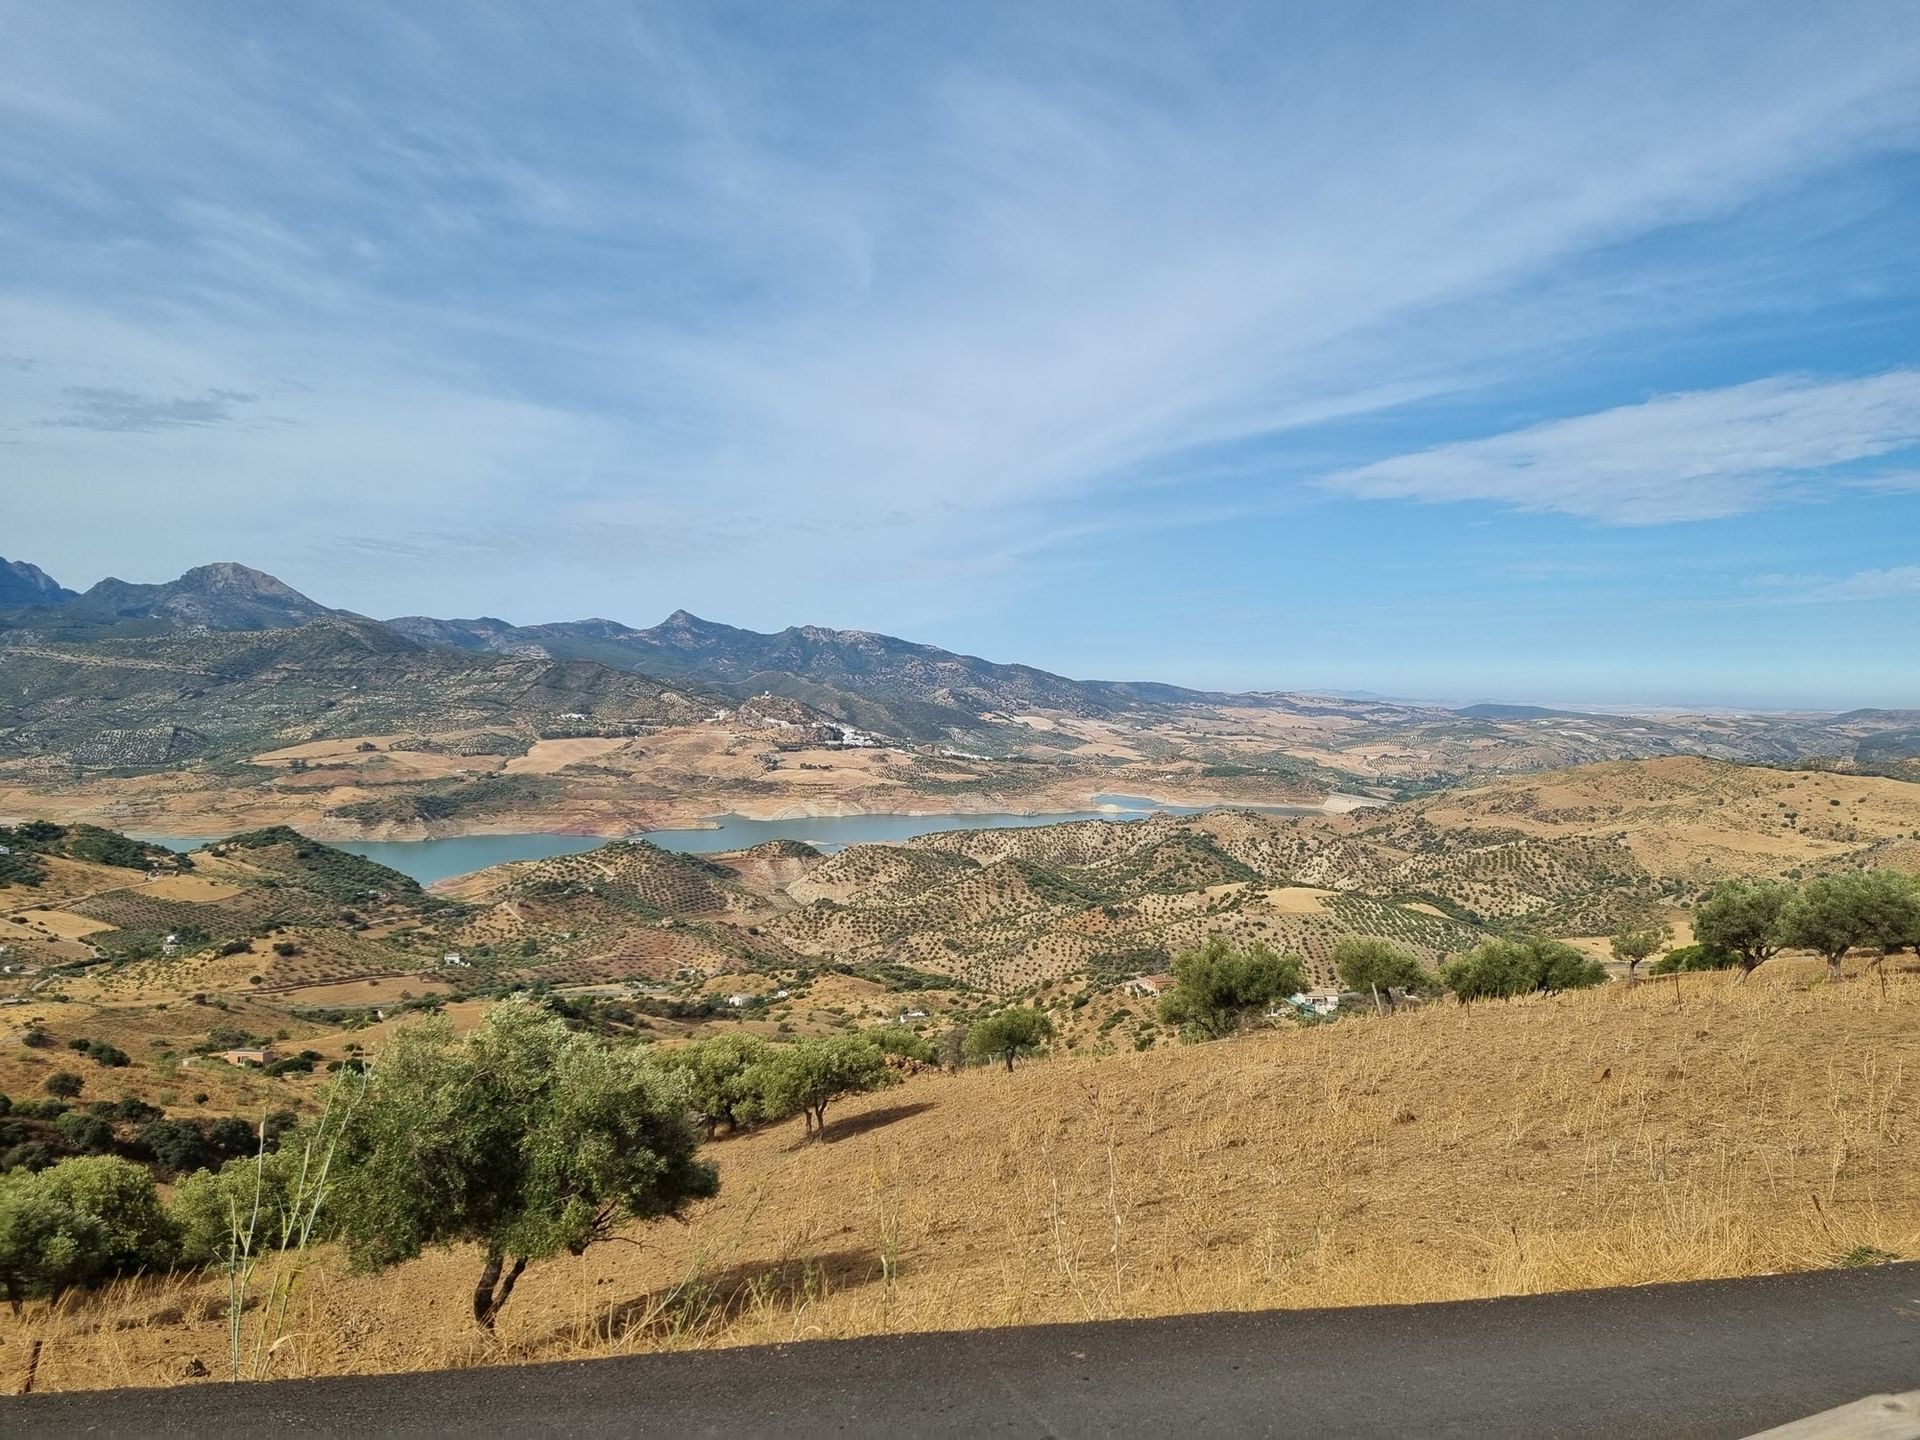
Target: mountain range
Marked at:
227, 662
854, 677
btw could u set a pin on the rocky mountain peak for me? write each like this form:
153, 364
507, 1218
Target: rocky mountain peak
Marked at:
22, 583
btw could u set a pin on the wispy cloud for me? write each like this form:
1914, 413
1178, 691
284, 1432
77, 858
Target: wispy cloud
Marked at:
111, 408
638, 276
1694, 456
1899, 582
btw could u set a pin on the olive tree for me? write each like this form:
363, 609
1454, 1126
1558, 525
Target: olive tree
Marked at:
1217, 986
1891, 902
1007, 1035
1834, 914
1369, 964
1743, 916
1689, 958
1501, 968
720, 1075
903, 1042
523, 1138
208, 1205
805, 1077
1635, 943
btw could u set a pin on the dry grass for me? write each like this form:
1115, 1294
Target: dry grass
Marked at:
1617, 1137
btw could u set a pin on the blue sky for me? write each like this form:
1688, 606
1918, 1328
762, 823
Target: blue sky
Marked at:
1533, 352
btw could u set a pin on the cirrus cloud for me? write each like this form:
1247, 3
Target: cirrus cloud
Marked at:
1693, 456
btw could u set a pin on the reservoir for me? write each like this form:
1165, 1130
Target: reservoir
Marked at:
431, 860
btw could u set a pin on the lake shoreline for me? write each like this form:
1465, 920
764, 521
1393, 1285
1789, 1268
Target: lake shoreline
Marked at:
433, 860
331, 831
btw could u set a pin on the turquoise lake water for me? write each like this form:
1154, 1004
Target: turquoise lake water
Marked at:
431, 860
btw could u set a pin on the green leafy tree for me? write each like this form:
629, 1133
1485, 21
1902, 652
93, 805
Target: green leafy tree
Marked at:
79, 1221
1009, 1034
1891, 903
121, 1196
1377, 967
177, 1145
87, 1133
722, 1077
1499, 969
523, 1137
209, 1205
46, 1246
30, 1155
807, 1076
952, 1049
1744, 916
1835, 914
1216, 987
64, 1084
1694, 957
1635, 943
907, 1044
230, 1136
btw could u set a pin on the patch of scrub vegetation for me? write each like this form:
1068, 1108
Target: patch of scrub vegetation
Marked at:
30, 843
335, 873
451, 800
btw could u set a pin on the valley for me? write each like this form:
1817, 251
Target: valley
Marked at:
997, 846
1078, 917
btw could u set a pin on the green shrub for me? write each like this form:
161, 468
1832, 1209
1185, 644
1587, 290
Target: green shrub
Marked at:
1694, 957
86, 1133
80, 1221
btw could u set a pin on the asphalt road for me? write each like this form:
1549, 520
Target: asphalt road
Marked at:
1719, 1358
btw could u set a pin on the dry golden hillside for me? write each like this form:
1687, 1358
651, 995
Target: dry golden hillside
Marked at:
1690, 816
1670, 1131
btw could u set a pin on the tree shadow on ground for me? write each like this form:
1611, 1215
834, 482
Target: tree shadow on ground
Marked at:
709, 1300
871, 1120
